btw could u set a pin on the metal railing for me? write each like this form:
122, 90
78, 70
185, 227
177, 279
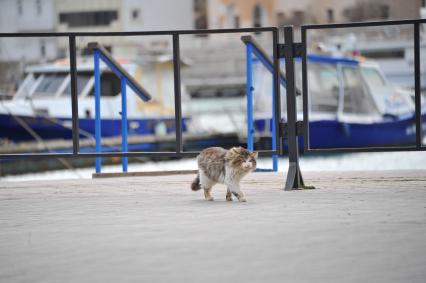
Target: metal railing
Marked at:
417, 85
291, 50
100, 53
175, 34
254, 50
291, 130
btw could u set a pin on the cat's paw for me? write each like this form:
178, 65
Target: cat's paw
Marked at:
242, 199
210, 198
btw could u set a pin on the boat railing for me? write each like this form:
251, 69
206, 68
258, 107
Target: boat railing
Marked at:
101, 54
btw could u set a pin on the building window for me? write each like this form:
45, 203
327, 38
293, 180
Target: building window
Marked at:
330, 15
200, 14
38, 7
94, 18
281, 19
42, 49
222, 91
384, 11
237, 22
298, 18
20, 10
257, 16
135, 14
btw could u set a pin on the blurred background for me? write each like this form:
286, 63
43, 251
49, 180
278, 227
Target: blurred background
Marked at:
35, 108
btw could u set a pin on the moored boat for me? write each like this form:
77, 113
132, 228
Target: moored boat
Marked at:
41, 107
351, 104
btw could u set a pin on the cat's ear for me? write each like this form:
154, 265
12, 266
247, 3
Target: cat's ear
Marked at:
254, 154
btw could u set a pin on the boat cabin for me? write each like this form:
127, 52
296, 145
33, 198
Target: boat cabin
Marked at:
338, 88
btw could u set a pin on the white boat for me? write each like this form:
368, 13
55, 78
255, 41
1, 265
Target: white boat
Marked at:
41, 107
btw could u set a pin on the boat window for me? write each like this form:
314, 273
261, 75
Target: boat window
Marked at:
49, 85
356, 98
25, 85
110, 85
323, 87
82, 80
372, 77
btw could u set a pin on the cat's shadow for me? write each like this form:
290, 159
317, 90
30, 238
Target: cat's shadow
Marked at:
222, 202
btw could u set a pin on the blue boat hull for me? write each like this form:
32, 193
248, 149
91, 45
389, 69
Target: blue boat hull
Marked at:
59, 128
334, 134
323, 133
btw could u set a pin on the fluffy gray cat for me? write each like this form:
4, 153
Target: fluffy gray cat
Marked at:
218, 165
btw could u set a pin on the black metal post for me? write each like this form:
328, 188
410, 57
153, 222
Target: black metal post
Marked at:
417, 82
74, 96
178, 100
306, 140
294, 176
277, 96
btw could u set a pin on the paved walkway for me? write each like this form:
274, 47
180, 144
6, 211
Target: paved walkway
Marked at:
356, 227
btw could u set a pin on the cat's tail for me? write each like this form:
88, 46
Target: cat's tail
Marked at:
195, 186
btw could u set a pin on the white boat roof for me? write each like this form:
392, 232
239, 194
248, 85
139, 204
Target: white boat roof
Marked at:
86, 64
63, 65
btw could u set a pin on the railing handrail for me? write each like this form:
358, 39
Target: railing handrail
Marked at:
100, 53
252, 48
137, 33
365, 24
264, 58
119, 71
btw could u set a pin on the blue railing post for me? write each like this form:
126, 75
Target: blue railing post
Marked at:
124, 122
97, 110
126, 80
249, 91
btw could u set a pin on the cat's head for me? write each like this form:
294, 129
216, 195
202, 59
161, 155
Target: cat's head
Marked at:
243, 159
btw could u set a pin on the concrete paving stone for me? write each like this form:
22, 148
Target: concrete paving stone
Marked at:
354, 227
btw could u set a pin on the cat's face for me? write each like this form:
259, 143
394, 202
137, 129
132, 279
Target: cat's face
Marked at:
243, 158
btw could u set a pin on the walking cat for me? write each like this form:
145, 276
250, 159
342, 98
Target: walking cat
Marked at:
218, 165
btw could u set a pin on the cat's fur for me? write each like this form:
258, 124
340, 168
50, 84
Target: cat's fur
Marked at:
218, 165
